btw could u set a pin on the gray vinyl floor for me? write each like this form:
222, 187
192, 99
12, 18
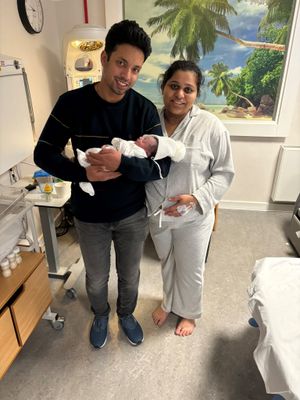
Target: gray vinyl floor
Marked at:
215, 363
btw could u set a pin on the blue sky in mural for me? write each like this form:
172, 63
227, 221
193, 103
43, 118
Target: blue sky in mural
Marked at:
243, 26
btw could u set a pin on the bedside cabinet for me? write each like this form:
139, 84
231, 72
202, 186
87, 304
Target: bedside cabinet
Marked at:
24, 298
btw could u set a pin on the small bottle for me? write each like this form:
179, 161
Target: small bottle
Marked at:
48, 190
17, 253
12, 261
6, 272
4, 264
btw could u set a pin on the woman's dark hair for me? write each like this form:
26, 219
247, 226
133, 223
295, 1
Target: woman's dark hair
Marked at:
127, 32
182, 65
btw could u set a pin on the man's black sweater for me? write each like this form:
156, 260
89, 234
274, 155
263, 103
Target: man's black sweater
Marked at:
88, 121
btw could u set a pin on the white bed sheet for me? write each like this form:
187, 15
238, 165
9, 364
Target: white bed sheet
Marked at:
275, 304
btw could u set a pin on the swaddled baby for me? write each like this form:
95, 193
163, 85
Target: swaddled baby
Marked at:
156, 147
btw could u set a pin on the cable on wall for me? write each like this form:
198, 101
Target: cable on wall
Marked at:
86, 14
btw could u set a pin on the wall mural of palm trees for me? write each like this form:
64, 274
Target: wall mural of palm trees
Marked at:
240, 46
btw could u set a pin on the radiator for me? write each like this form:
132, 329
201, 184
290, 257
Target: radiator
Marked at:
286, 186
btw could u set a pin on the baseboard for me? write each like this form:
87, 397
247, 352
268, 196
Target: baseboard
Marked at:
256, 206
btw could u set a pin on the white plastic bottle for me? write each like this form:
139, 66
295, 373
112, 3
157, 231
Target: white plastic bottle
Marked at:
6, 272
17, 252
12, 261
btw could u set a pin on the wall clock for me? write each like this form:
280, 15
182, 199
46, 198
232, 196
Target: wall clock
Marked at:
31, 15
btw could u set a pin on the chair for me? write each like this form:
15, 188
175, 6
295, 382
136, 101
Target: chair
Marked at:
214, 228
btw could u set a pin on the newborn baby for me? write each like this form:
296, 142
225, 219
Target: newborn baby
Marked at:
156, 147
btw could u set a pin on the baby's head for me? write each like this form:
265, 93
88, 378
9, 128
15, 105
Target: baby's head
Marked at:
148, 143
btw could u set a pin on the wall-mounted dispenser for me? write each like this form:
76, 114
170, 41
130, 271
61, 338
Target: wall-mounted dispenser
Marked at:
83, 46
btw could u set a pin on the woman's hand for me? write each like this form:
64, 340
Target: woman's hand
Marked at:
183, 204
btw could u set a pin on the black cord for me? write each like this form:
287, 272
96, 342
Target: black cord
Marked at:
66, 221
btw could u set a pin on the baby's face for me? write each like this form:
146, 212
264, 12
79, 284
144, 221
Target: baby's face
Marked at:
146, 142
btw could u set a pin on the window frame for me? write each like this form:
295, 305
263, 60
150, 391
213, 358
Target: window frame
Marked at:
280, 126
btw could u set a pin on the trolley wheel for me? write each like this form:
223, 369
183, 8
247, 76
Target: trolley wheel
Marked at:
71, 293
58, 323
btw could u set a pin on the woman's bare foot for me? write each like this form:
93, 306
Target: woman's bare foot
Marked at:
159, 316
185, 327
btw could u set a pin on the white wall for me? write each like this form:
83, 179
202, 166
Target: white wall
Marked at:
255, 159
71, 12
39, 54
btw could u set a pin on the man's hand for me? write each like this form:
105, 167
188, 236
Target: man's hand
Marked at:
96, 174
108, 159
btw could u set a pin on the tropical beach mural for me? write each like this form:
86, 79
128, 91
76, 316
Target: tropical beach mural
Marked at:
240, 46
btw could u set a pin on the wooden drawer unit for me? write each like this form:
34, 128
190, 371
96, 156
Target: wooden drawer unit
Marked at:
9, 346
24, 297
32, 302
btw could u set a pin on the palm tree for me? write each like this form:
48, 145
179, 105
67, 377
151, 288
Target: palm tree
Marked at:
220, 82
194, 22
279, 11
191, 22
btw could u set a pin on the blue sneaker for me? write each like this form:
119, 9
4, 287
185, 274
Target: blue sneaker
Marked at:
98, 333
132, 329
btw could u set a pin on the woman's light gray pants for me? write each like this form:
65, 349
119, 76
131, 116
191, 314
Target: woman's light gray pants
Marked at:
181, 247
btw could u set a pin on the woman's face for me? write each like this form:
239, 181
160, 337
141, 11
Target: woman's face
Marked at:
180, 92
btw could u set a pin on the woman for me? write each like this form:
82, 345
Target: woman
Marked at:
182, 205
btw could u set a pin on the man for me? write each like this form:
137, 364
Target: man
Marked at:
91, 116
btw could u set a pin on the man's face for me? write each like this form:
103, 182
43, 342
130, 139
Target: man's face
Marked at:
120, 71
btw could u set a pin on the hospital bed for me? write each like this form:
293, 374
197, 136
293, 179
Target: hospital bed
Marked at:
274, 301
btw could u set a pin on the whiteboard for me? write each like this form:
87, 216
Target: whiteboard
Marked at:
16, 134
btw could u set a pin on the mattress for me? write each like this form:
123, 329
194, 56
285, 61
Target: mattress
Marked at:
274, 301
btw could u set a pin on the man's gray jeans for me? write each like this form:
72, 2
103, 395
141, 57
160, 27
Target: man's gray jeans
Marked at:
95, 239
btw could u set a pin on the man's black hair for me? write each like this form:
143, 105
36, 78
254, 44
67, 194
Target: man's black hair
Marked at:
127, 32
